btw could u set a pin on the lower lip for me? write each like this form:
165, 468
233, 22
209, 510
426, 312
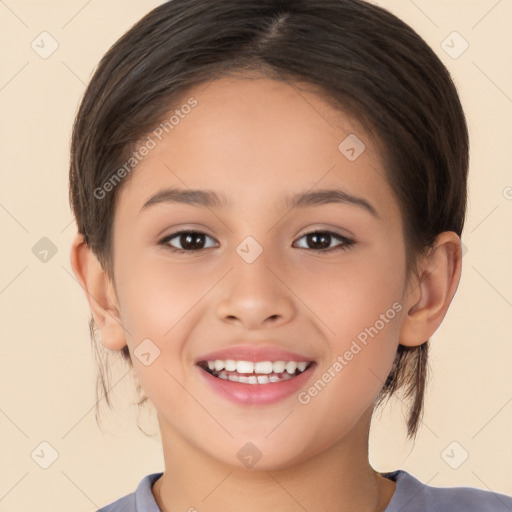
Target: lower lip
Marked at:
257, 394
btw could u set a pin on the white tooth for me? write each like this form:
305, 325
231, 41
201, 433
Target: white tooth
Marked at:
302, 365
233, 377
211, 365
274, 378
243, 379
263, 367
252, 379
222, 375
219, 365
230, 365
263, 379
278, 367
291, 367
244, 366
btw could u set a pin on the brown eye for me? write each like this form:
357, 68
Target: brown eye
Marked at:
193, 241
321, 241
188, 241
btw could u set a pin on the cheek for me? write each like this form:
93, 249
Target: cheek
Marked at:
157, 295
159, 302
350, 295
162, 301
359, 305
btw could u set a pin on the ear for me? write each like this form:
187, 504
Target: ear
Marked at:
427, 301
100, 293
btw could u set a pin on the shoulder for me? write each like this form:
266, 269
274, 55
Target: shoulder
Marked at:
415, 496
141, 500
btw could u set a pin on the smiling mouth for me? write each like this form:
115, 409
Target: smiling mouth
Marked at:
249, 372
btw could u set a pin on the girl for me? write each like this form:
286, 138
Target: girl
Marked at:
269, 199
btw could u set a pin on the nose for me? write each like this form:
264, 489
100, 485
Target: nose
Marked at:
255, 295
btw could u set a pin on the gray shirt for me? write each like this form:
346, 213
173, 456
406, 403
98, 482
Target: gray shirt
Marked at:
410, 495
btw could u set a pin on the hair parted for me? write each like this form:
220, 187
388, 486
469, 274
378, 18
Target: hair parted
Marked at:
364, 60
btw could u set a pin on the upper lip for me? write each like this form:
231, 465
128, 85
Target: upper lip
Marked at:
253, 353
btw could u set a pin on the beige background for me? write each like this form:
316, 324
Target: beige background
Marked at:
47, 369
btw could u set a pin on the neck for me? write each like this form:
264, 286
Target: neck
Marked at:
337, 479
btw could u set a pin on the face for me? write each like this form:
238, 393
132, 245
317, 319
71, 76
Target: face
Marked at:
322, 279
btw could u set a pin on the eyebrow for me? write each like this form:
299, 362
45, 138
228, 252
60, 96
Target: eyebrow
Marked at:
210, 199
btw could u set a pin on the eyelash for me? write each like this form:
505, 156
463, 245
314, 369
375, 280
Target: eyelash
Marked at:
347, 242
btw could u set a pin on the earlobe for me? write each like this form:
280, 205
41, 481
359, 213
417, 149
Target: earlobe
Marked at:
426, 305
99, 292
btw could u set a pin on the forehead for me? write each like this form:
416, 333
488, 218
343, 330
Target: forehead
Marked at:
255, 139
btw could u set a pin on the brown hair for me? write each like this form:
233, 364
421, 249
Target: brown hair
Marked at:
366, 62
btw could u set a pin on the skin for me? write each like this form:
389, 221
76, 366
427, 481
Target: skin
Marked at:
257, 141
